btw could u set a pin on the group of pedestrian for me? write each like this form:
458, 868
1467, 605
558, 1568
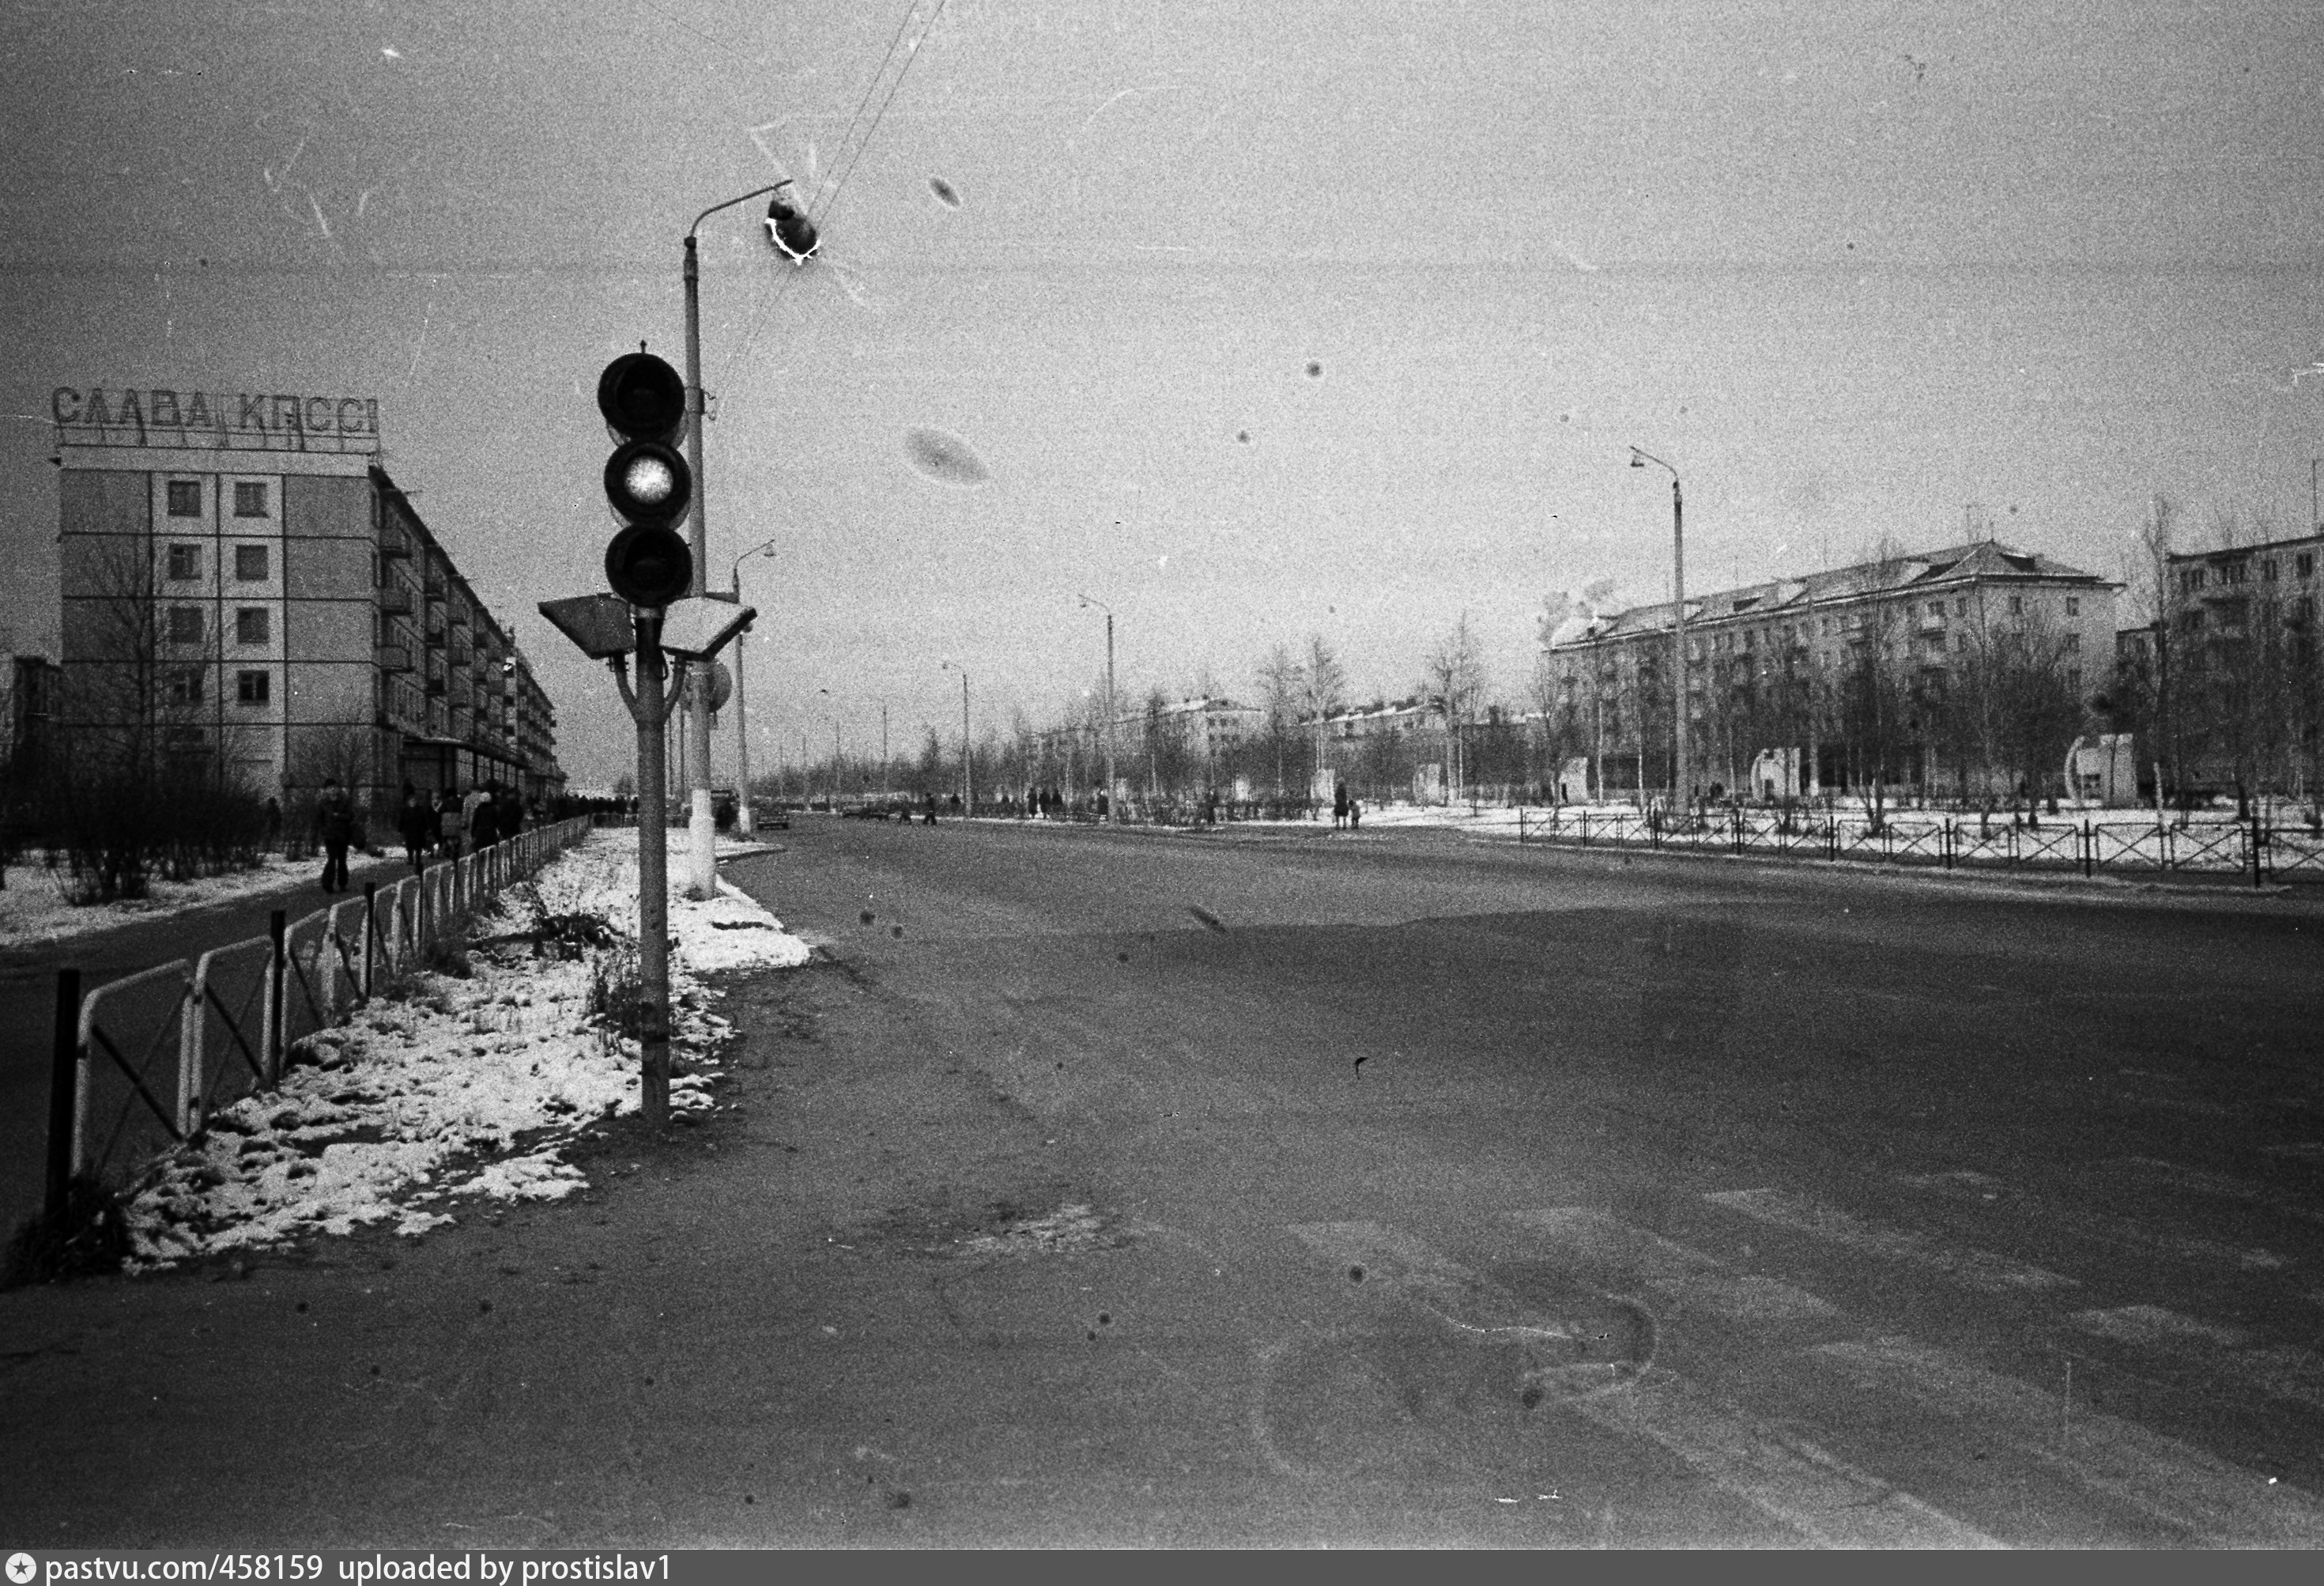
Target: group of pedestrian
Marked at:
433, 825
1346, 813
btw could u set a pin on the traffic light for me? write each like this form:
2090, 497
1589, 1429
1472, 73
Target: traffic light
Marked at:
648, 483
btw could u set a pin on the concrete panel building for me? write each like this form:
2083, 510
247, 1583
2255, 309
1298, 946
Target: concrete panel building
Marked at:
246, 590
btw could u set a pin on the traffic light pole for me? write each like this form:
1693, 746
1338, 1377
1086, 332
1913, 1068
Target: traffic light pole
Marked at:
650, 710
701, 868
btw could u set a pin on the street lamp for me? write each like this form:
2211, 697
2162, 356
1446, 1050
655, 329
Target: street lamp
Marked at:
1681, 773
968, 785
748, 826
702, 848
1111, 814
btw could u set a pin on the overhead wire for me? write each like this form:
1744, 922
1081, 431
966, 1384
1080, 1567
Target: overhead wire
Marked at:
830, 195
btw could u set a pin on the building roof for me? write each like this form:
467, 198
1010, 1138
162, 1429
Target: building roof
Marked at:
1982, 560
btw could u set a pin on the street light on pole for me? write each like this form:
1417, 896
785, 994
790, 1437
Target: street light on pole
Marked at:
1086, 602
1682, 771
702, 876
748, 826
967, 783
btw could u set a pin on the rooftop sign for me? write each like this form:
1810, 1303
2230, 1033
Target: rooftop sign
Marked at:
215, 420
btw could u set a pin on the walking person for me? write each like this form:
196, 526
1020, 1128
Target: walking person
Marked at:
483, 828
1355, 814
1338, 805
444, 822
335, 826
412, 821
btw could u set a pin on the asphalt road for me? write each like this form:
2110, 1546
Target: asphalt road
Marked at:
1125, 1188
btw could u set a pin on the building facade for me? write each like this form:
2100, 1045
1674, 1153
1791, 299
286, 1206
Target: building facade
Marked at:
246, 590
1949, 670
2235, 667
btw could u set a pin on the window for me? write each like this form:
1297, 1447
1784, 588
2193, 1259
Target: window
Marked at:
2074, 642
250, 498
2016, 605
2267, 571
185, 498
186, 685
2073, 605
2232, 573
185, 561
253, 687
2190, 622
252, 624
2074, 679
1963, 639
1961, 606
2192, 578
185, 624
2304, 564
250, 563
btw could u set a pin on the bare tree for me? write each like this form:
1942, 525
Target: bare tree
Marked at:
1455, 681
1281, 681
1322, 689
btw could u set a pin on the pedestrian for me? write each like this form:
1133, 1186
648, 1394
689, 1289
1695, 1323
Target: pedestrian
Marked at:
483, 829
444, 822
1339, 804
1355, 815
412, 821
273, 825
928, 815
512, 817
334, 826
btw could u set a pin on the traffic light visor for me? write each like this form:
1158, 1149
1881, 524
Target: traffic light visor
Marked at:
642, 397
646, 482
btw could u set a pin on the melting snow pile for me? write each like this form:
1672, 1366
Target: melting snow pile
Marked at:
460, 1086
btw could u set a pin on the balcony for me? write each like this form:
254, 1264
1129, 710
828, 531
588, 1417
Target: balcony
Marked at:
394, 658
459, 616
393, 541
436, 636
397, 599
435, 685
456, 653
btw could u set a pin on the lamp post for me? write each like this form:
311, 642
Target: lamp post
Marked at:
1681, 773
747, 826
1111, 814
967, 783
702, 872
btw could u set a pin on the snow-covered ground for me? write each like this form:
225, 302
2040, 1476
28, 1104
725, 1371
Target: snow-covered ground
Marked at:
34, 907
453, 1088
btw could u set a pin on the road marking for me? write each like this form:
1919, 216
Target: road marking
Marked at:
2218, 1354
1385, 1258
1975, 1188
2170, 1480
1831, 1502
1673, 1274
1979, 1268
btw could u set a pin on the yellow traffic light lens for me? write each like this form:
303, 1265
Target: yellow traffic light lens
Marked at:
648, 481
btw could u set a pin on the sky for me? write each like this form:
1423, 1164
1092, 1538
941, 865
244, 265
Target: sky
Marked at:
1265, 323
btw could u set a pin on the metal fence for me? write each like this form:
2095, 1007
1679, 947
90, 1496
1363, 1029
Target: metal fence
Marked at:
2249, 850
142, 1062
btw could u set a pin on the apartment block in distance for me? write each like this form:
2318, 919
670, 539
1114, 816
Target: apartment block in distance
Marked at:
245, 589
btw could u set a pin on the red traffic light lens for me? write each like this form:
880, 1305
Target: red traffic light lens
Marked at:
642, 397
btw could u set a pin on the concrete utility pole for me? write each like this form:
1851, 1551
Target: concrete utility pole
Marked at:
1683, 770
745, 822
1111, 814
702, 871
967, 784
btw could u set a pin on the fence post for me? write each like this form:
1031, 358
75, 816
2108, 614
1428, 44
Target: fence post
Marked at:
1945, 844
63, 1066
2256, 838
2089, 850
190, 1010
271, 1041
371, 932
1521, 825
1585, 828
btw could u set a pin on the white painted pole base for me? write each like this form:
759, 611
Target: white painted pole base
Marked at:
702, 832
